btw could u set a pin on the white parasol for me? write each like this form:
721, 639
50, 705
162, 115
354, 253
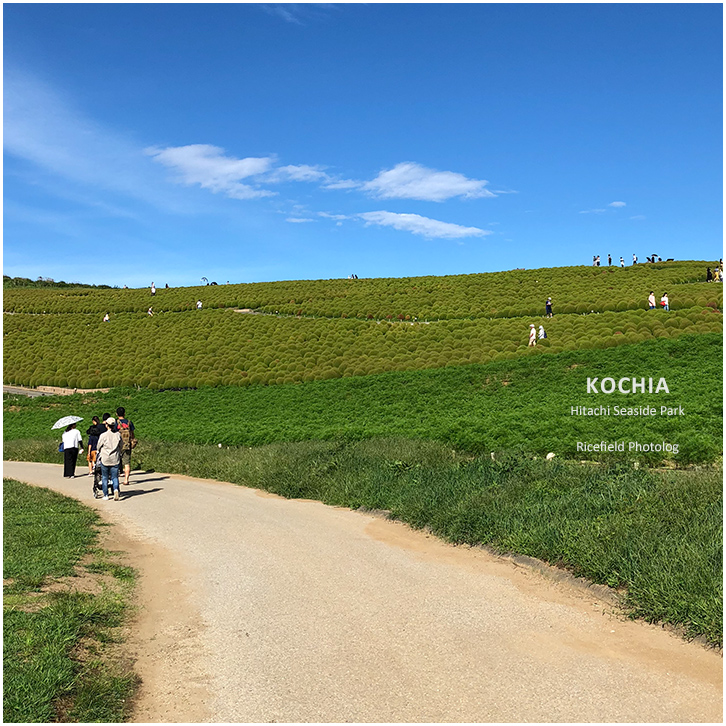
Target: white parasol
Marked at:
61, 423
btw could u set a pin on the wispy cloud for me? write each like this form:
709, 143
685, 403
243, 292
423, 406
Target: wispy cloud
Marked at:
616, 204
299, 220
638, 216
424, 226
44, 130
208, 167
410, 180
297, 13
593, 211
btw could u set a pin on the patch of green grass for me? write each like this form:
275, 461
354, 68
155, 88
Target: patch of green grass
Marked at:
478, 408
56, 666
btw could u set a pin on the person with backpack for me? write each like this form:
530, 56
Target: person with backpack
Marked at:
128, 441
109, 454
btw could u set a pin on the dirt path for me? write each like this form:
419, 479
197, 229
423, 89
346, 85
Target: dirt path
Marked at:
259, 609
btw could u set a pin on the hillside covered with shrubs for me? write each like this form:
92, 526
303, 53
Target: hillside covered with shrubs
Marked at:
315, 330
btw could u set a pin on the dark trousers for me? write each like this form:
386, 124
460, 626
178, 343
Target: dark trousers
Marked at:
70, 456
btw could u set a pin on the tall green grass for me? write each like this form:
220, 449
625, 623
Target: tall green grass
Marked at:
55, 663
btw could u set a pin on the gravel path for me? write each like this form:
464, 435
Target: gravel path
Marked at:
259, 609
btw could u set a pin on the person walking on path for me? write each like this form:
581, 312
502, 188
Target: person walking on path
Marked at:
532, 335
72, 444
664, 301
610, 260
597, 260
651, 301
93, 432
150, 311
128, 438
199, 304
153, 289
548, 307
635, 259
542, 335
622, 262
109, 454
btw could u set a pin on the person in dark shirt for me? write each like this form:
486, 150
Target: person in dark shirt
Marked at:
93, 432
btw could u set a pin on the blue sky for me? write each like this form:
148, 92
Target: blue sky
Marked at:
247, 142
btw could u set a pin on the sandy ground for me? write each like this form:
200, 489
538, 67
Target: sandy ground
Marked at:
259, 609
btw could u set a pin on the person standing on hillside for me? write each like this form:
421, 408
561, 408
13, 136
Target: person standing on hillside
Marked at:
610, 260
664, 301
709, 275
622, 262
532, 335
153, 289
128, 439
548, 307
635, 259
542, 335
651, 300
106, 318
109, 454
199, 304
72, 444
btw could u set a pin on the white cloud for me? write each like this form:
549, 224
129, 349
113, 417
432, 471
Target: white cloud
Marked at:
207, 166
638, 216
416, 224
616, 204
300, 172
593, 211
327, 215
298, 220
341, 184
410, 180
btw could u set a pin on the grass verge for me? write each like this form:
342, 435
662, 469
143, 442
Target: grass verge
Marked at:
656, 534
64, 601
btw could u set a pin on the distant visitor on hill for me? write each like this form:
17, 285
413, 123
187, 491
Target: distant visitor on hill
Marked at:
664, 301
542, 335
106, 318
622, 262
651, 300
199, 304
532, 335
610, 260
150, 311
153, 289
709, 275
548, 307
635, 259
597, 260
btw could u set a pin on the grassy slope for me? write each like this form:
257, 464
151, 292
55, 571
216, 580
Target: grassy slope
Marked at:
520, 403
54, 664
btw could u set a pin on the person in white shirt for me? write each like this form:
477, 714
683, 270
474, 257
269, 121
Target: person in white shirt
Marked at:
532, 335
542, 335
108, 452
651, 301
199, 304
664, 301
72, 444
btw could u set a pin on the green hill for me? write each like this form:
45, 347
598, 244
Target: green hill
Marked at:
316, 330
